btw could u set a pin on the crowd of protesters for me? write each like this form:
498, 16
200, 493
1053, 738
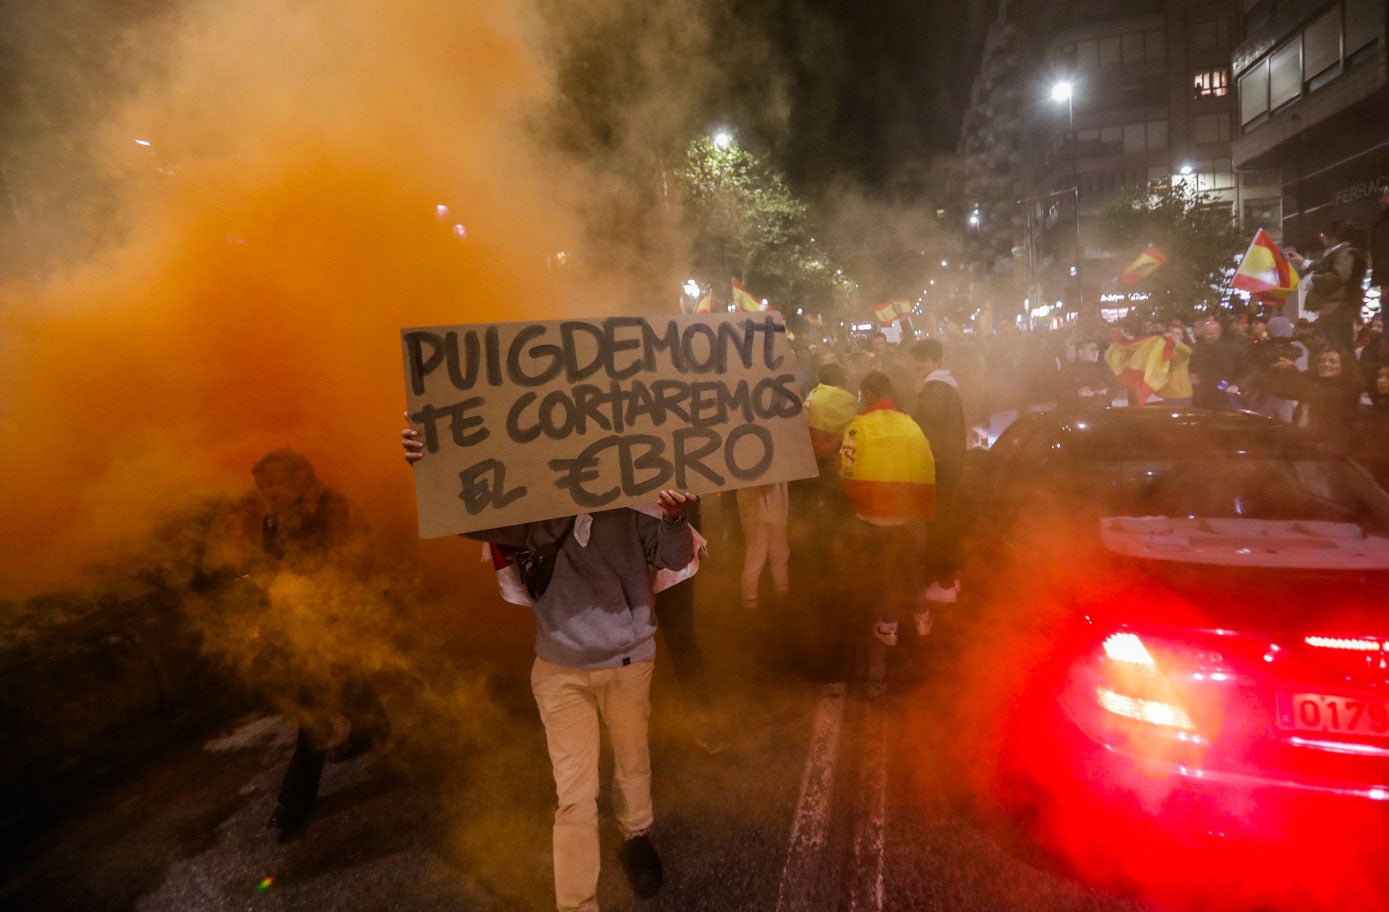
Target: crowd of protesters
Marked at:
890, 424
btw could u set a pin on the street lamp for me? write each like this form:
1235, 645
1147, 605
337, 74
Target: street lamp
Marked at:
1064, 91
723, 139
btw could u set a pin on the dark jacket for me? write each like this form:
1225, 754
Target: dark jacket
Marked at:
938, 410
1327, 408
1379, 249
1335, 291
1221, 361
1371, 436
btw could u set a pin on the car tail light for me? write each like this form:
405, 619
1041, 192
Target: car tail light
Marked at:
1133, 686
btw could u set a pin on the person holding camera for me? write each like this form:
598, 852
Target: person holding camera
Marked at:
1335, 283
595, 653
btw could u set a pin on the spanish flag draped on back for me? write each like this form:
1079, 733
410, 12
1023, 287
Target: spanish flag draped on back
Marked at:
887, 467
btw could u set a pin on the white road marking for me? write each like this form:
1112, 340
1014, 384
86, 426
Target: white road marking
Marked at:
811, 823
866, 887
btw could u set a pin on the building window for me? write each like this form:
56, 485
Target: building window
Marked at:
1157, 134
1321, 46
1087, 55
1210, 128
1253, 93
1210, 36
1132, 47
1264, 213
1364, 24
1284, 74
1211, 83
1110, 54
1155, 44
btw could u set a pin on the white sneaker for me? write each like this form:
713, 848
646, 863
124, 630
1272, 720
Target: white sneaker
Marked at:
923, 621
938, 593
886, 633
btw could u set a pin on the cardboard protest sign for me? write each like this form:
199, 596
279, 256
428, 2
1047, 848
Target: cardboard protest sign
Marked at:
530, 421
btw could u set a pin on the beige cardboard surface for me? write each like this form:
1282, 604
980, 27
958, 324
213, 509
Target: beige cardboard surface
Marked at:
530, 421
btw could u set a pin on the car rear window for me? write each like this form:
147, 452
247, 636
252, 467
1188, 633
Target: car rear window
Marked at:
1300, 489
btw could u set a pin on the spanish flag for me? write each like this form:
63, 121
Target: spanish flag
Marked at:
830, 411
1142, 364
887, 468
886, 312
706, 303
746, 301
1264, 272
1143, 265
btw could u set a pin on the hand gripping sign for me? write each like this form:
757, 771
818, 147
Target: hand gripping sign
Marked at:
530, 421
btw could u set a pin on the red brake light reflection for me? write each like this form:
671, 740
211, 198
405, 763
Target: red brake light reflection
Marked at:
1127, 647
1153, 712
1349, 643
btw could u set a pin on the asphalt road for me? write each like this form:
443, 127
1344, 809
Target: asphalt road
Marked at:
841, 788
829, 796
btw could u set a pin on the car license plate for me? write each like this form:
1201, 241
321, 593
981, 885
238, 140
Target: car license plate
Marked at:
1335, 714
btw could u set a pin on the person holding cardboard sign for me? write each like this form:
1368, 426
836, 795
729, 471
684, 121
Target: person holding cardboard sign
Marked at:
595, 653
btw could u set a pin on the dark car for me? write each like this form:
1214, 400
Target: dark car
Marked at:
1186, 645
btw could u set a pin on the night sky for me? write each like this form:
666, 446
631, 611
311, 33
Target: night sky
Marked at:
834, 92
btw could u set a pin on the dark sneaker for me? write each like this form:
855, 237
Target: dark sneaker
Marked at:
643, 866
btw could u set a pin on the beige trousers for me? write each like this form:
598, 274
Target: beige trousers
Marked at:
571, 703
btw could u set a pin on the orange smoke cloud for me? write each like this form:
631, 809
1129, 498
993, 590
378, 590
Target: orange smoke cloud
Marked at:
280, 228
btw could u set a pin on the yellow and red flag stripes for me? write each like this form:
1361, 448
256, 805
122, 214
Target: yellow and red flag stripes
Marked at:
706, 303
1265, 272
1143, 265
830, 410
887, 468
745, 300
1142, 364
886, 312
815, 320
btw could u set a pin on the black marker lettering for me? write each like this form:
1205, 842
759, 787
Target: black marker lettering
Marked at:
691, 446
550, 352
575, 473
667, 342
494, 356
484, 486
460, 423
514, 431
730, 456
420, 366
569, 342
614, 345
689, 349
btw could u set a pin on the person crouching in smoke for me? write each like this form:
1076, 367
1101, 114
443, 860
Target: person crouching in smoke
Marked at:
296, 618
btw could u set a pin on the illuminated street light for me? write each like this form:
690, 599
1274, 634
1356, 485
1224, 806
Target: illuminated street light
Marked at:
691, 288
1064, 91
1186, 169
723, 139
